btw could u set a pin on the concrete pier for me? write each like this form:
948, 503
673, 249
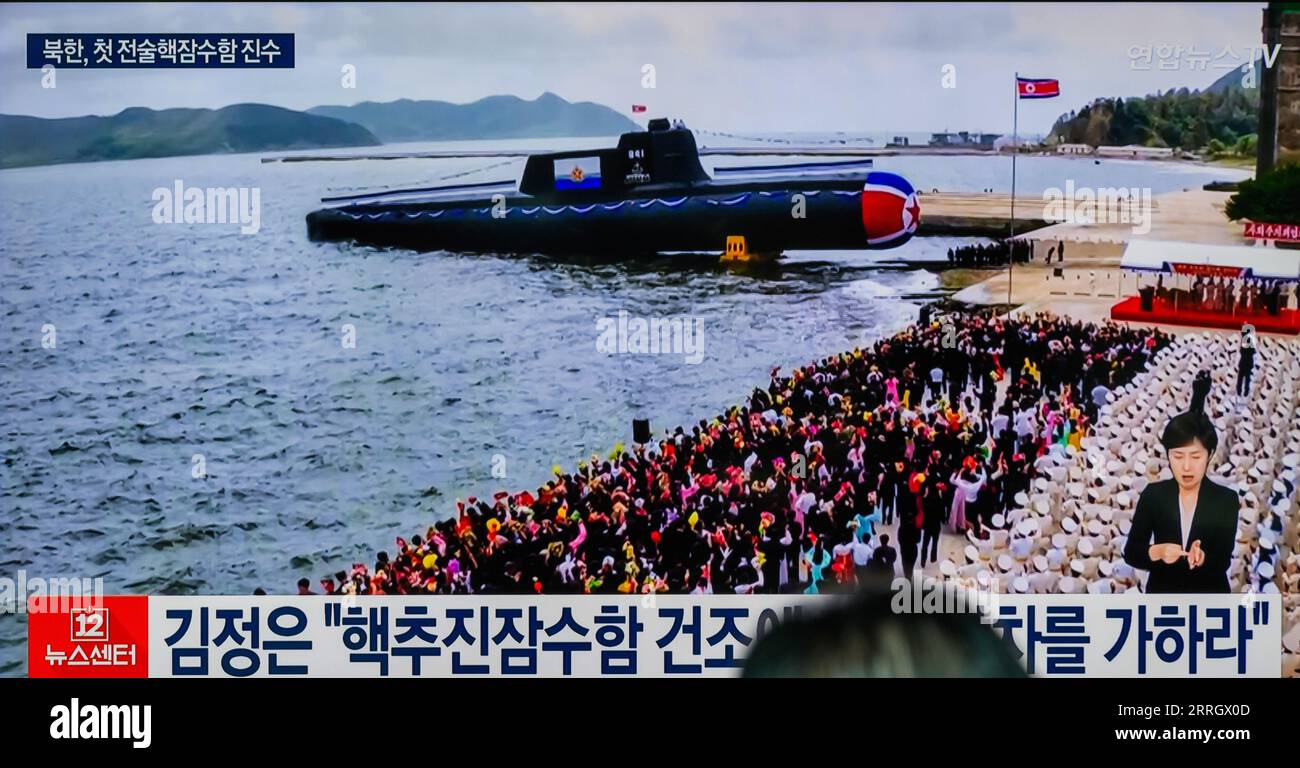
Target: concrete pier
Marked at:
974, 214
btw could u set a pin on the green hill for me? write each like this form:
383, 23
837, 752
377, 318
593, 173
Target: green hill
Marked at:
1223, 116
139, 132
495, 117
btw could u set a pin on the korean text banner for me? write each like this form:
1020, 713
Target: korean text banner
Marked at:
160, 50
1127, 635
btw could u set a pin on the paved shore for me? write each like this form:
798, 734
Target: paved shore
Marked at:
1090, 280
976, 214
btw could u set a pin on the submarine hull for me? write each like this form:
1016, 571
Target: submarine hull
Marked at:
770, 221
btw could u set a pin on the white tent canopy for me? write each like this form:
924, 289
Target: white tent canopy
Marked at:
1161, 256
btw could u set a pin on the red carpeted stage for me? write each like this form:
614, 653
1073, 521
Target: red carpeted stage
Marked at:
1286, 321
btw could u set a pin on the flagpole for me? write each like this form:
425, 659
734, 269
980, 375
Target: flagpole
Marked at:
1015, 150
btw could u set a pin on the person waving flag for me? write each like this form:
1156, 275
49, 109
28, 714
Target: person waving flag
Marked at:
1037, 88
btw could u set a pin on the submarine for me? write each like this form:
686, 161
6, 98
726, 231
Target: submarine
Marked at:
649, 195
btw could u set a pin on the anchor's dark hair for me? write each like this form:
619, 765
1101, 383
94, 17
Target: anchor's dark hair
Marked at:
1186, 428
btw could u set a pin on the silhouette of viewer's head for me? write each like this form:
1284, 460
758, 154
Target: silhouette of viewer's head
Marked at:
865, 637
1189, 440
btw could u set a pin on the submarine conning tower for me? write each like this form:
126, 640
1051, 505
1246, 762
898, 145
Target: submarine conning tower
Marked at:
665, 155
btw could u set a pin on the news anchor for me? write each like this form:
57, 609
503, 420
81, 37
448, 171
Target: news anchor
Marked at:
1185, 528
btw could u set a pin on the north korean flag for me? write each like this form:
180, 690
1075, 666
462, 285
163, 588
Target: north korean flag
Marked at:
638, 107
1032, 88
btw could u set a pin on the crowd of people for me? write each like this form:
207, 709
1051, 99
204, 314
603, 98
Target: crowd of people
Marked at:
937, 426
1230, 295
991, 254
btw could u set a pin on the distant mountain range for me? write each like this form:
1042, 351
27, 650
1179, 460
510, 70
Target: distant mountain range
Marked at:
495, 117
139, 132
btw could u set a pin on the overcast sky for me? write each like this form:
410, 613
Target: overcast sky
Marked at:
727, 67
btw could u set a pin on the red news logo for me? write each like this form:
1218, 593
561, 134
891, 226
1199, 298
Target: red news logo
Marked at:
108, 637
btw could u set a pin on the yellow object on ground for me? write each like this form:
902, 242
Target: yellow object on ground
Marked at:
736, 249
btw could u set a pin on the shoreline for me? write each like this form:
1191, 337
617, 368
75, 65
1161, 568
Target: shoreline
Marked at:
337, 153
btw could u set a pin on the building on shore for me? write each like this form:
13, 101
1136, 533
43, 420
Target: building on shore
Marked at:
1135, 152
1074, 149
964, 140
